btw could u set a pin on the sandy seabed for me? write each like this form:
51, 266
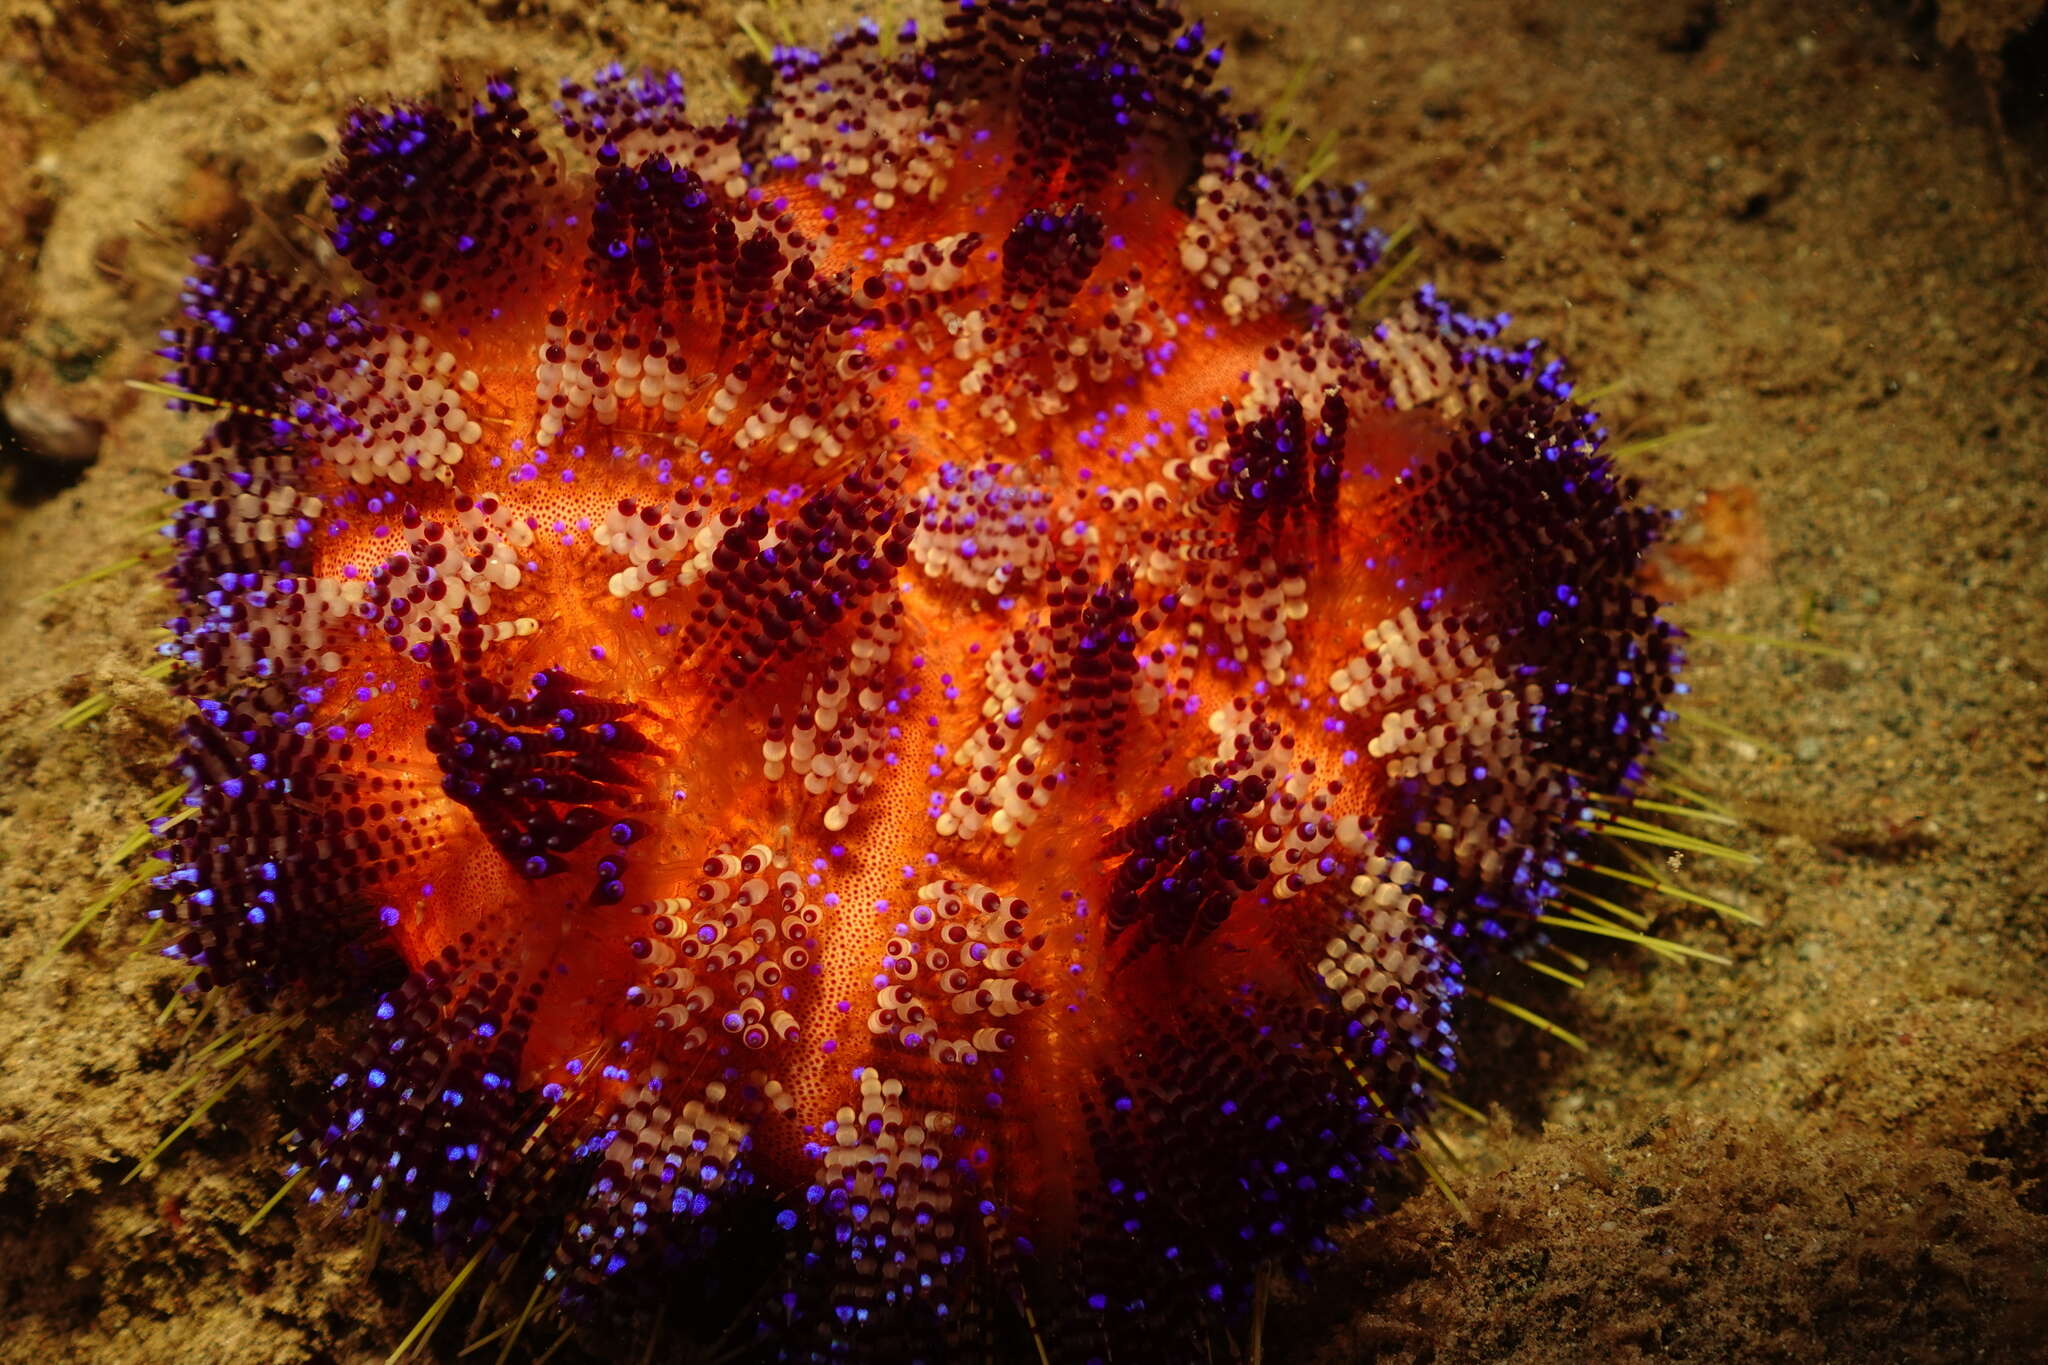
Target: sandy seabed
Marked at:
1804, 240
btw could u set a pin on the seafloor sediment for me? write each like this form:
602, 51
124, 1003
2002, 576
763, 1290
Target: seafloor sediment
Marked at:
1795, 238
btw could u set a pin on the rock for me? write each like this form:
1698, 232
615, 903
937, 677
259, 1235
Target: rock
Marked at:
38, 409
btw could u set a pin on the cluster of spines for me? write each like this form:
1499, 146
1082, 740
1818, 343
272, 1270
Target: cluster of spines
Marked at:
982, 531
665, 1165
718, 958
1185, 864
950, 981
841, 737
481, 172
1253, 1142
1087, 80
776, 588
1062, 691
541, 773
420, 1124
886, 1255
272, 884
1283, 462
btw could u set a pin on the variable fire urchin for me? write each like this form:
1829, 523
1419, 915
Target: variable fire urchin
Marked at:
904, 732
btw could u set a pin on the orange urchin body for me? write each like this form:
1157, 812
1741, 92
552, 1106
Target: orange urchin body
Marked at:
900, 682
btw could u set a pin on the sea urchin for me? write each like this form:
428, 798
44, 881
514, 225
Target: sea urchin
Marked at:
890, 711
